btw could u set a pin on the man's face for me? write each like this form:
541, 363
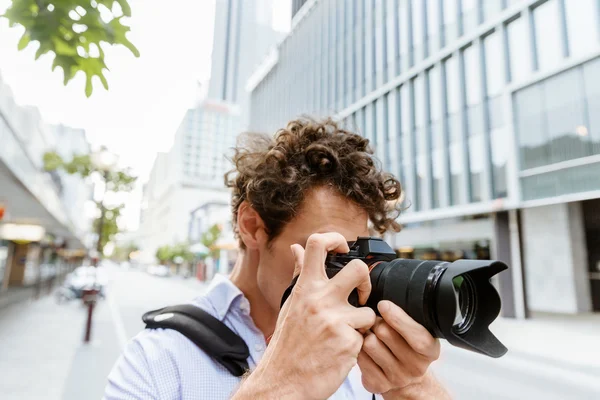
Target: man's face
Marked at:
323, 211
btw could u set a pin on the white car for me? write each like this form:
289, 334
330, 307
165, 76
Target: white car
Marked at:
159, 270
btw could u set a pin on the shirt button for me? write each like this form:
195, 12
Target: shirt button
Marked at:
259, 347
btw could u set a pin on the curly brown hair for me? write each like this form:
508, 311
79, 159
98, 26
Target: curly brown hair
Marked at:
273, 174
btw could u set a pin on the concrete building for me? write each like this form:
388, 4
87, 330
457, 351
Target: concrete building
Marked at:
488, 112
242, 38
33, 217
190, 174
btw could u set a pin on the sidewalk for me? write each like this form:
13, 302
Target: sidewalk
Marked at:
572, 342
43, 356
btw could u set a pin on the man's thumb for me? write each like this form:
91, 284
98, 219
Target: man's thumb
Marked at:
298, 252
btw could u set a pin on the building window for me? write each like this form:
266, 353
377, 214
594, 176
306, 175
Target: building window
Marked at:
453, 98
417, 29
582, 26
529, 113
495, 78
469, 13
434, 76
520, 55
404, 35
565, 117
491, 8
548, 38
433, 26
450, 22
420, 135
591, 72
473, 90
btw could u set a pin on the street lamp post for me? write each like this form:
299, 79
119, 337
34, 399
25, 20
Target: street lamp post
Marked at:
104, 161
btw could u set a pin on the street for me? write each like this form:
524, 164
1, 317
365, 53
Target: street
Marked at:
43, 356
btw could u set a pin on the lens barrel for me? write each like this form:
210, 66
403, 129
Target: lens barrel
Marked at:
454, 301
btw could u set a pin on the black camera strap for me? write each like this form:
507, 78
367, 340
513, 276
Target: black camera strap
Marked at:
207, 332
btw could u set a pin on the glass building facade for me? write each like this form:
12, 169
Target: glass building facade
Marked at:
482, 108
466, 100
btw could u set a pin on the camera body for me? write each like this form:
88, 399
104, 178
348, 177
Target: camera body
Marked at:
454, 301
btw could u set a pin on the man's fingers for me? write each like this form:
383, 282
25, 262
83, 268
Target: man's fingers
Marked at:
373, 378
415, 334
355, 275
361, 318
317, 247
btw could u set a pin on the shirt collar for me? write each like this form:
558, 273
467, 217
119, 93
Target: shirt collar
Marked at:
222, 293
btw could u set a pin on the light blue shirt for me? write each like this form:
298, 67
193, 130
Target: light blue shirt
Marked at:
163, 364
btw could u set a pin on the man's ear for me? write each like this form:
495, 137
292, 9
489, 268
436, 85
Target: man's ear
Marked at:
250, 226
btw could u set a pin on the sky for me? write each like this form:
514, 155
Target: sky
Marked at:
147, 97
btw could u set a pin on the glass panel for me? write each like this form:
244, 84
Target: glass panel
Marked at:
531, 132
476, 160
519, 50
433, 26
494, 61
419, 100
438, 173
582, 26
404, 35
434, 76
491, 8
421, 182
452, 85
469, 15
591, 72
500, 151
564, 181
565, 117
417, 25
406, 123
450, 23
392, 37
456, 171
548, 34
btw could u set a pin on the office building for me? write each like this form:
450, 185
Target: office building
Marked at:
243, 36
487, 111
190, 174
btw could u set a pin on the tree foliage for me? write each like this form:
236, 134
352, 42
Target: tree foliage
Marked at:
75, 31
171, 254
210, 238
116, 181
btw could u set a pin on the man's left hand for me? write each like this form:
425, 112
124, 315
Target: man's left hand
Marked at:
396, 355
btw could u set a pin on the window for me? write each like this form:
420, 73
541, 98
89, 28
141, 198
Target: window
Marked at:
420, 135
437, 134
450, 23
453, 91
470, 16
476, 161
404, 35
519, 50
407, 149
392, 38
500, 151
495, 77
565, 117
456, 174
418, 31
582, 26
529, 114
437, 160
591, 72
491, 8
433, 26
548, 36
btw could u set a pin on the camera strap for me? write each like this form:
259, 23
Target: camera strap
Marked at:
207, 332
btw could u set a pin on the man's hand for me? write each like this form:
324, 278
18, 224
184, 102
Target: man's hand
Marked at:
396, 355
316, 341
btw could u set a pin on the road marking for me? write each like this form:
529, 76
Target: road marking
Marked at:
117, 319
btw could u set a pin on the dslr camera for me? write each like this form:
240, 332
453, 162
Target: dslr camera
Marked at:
453, 301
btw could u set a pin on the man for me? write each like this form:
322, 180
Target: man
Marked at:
295, 197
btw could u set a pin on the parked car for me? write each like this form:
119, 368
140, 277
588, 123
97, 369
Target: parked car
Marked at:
159, 270
81, 278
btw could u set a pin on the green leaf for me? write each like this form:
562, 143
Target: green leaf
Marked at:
25, 39
57, 33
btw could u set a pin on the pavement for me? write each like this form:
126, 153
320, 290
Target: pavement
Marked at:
43, 357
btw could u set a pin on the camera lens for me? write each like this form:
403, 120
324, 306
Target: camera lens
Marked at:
466, 303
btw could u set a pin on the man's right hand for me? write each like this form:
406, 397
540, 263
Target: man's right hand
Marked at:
316, 341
